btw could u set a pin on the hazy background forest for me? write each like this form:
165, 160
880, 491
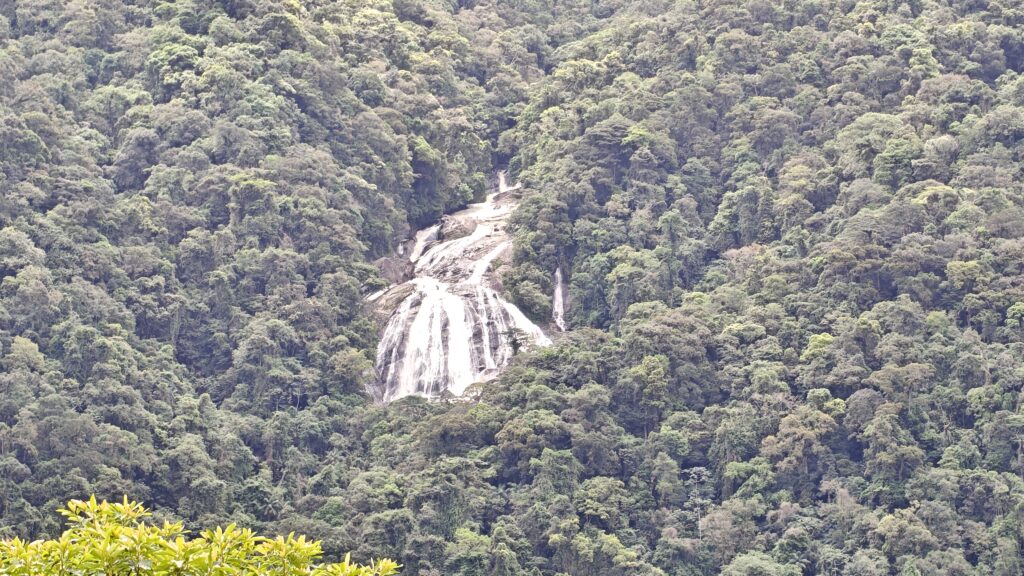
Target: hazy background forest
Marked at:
793, 233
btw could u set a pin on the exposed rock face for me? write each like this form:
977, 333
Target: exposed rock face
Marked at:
396, 269
452, 328
455, 227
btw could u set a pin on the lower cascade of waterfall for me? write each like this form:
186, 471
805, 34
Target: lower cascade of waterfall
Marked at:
452, 327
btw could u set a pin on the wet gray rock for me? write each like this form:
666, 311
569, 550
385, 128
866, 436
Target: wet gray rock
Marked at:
396, 269
453, 228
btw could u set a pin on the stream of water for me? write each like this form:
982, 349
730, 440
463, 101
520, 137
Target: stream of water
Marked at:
453, 327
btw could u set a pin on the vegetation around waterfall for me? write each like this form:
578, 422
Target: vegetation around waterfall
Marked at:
791, 232
114, 540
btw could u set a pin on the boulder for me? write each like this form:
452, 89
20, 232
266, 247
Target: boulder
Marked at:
396, 269
452, 228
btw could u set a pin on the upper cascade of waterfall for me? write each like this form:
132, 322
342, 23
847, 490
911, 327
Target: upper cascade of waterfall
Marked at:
452, 327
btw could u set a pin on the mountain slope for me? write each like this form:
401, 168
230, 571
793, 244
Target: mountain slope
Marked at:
791, 231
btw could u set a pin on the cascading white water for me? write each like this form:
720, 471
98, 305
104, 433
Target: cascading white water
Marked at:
453, 328
558, 301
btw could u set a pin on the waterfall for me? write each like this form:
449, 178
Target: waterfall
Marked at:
453, 328
558, 301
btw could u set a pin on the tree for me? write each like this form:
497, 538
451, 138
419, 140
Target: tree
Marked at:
646, 388
601, 502
800, 447
758, 564
115, 539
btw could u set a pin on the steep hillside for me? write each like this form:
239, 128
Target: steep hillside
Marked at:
191, 196
793, 234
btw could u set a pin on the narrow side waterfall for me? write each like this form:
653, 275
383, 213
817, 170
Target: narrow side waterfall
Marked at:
558, 301
452, 327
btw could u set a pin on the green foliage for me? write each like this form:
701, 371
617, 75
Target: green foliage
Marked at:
114, 539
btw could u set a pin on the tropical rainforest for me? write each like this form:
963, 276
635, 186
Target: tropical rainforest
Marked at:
792, 230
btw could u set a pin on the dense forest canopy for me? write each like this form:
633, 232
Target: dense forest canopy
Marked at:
793, 234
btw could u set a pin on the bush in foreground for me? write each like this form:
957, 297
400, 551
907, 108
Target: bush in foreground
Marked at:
113, 539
